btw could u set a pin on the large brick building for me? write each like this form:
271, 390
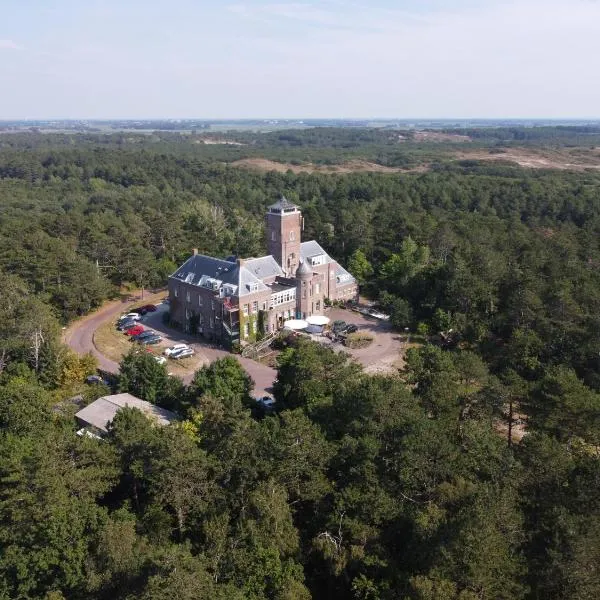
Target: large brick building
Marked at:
234, 300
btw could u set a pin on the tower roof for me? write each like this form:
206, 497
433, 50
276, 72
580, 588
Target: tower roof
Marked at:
304, 270
283, 205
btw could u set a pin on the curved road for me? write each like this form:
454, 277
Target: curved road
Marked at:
79, 336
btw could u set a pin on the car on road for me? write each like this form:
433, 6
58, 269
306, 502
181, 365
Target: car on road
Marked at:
161, 360
150, 340
135, 330
140, 336
175, 348
185, 353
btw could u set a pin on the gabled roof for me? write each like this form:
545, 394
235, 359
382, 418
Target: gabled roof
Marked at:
265, 266
101, 412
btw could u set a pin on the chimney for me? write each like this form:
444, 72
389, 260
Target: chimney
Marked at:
194, 251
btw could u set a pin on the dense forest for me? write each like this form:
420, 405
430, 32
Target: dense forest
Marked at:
359, 486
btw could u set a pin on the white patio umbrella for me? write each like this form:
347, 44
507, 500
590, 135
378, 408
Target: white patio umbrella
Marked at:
318, 320
295, 324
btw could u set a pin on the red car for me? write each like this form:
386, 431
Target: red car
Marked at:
148, 308
135, 330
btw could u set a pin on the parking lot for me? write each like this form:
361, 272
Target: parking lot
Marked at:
384, 355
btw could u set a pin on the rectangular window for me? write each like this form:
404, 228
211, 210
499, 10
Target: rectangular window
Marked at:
253, 326
317, 288
318, 305
245, 311
212, 305
176, 292
255, 306
273, 236
199, 300
246, 329
187, 296
264, 306
292, 236
212, 323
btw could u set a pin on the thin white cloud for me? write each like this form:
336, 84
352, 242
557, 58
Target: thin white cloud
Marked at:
9, 45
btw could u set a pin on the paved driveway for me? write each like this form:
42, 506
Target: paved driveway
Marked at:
80, 337
384, 355
262, 375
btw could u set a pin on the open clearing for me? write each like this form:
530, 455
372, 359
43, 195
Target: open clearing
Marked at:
351, 166
564, 159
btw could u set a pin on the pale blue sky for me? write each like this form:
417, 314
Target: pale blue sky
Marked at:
327, 58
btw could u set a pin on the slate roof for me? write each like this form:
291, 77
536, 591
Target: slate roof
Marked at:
198, 268
312, 248
303, 269
102, 411
265, 266
341, 272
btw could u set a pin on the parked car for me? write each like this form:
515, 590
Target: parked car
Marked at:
184, 353
161, 360
267, 402
150, 340
126, 325
148, 308
95, 380
140, 336
337, 326
135, 330
351, 328
132, 315
175, 348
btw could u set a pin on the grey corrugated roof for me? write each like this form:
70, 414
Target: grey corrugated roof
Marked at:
102, 411
265, 266
312, 248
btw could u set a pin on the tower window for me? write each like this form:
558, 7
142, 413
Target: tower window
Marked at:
273, 236
292, 236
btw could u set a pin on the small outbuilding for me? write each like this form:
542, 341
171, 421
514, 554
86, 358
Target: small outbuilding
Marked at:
100, 413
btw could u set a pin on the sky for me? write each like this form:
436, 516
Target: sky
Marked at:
219, 59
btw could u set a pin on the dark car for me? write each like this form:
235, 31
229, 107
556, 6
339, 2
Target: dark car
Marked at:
350, 328
338, 326
151, 340
125, 325
143, 335
148, 308
95, 380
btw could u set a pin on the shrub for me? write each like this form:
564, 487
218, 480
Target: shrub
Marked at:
358, 340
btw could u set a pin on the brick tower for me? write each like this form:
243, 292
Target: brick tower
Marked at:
284, 228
